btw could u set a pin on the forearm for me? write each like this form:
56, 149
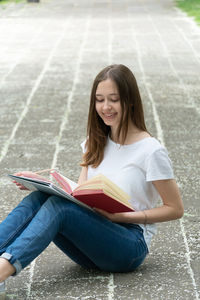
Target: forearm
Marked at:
83, 175
159, 214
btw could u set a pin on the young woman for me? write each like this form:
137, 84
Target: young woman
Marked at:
119, 146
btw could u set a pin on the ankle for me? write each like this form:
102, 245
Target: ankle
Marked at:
6, 269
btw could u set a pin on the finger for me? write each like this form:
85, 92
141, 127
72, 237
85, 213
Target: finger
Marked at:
23, 188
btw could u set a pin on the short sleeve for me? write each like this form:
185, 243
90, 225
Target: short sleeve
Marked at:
83, 146
159, 166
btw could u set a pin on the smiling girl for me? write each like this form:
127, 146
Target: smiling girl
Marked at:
118, 146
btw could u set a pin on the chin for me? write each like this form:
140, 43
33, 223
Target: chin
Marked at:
111, 124
108, 122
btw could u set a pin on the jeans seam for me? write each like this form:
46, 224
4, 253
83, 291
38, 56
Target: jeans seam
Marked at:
135, 259
144, 253
17, 230
36, 235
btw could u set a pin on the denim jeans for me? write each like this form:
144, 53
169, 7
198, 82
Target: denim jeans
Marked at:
86, 237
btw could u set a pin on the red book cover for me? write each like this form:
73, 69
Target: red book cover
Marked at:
97, 198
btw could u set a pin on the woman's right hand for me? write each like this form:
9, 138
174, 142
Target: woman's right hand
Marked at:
28, 174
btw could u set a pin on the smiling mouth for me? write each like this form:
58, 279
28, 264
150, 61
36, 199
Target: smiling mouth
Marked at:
109, 115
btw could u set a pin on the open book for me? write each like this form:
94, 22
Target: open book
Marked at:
99, 191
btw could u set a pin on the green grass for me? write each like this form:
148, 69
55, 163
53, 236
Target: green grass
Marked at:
191, 7
9, 1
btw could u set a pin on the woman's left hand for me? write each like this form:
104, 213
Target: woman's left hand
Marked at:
124, 217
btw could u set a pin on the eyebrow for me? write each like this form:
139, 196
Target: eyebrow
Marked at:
113, 94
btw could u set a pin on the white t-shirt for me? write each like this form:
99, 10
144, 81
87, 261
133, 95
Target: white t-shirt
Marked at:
133, 168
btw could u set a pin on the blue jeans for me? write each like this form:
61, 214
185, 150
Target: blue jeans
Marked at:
86, 237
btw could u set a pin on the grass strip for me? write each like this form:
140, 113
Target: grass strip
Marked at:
191, 7
9, 1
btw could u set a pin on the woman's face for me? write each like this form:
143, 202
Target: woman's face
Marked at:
108, 105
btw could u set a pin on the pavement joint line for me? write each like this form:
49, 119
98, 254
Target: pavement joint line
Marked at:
160, 137
187, 41
188, 259
20, 56
89, 277
66, 23
32, 93
71, 94
62, 127
187, 93
110, 40
153, 104
111, 287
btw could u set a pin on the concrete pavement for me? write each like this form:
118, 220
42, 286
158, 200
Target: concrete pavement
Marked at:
49, 55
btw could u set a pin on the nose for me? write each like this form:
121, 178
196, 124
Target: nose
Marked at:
106, 105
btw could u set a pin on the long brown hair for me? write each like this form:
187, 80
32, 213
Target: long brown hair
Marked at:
132, 109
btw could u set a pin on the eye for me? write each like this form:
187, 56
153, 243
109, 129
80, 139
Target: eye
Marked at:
99, 100
114, 100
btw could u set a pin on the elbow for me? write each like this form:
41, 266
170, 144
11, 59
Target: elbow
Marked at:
179, 209
177, 213
180, 212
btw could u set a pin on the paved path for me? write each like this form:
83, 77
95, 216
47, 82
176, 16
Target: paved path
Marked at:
49, 54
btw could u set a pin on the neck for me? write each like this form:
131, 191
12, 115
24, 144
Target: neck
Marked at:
132, 130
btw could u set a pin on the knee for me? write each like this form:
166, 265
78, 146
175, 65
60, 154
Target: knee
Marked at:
60, 204
56, 203
36, 197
